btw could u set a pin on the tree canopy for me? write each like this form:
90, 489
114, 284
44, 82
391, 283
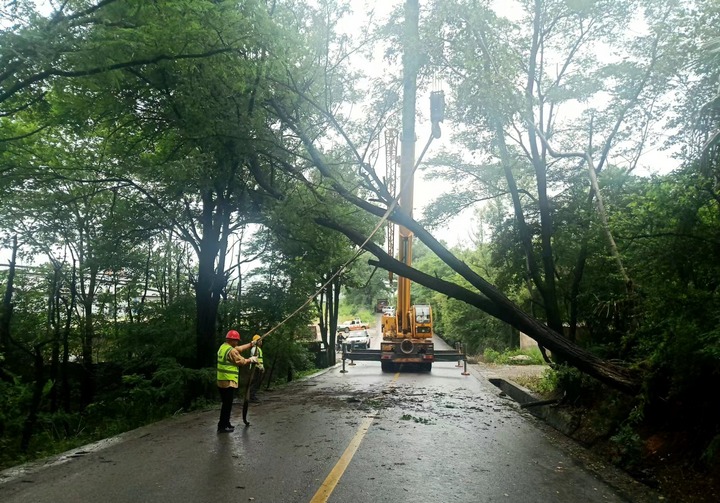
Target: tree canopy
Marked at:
173, 169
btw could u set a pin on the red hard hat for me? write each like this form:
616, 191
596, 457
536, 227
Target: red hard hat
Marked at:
233, 334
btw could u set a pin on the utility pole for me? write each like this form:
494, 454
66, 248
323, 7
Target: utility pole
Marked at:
408, 335
411, 65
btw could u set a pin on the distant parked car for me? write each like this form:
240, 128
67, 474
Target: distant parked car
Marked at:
355, 324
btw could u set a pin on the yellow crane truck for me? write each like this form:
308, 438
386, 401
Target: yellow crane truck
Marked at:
408, 332
414, 345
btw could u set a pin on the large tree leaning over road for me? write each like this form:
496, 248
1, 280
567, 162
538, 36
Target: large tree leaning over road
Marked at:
487, 298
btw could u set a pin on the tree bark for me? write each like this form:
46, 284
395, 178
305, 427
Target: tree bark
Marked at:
87, 296
38, 387
69, 310
326, 336
88, 335
54, 320
546, 286
7, 305
210, 280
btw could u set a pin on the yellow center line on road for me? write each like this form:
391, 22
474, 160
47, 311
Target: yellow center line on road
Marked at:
328, 486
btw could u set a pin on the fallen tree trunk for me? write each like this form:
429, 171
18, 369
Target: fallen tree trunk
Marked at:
497, 305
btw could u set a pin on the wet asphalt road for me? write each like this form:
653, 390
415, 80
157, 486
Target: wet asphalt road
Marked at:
419, 437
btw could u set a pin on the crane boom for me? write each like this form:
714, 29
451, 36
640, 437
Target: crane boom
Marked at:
391, 161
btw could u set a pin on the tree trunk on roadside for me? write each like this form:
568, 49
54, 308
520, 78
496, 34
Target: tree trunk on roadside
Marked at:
7, 305
211, 276
87, 391
38, 387
64, 371
575, 288
325, 336
54, 319
206, 312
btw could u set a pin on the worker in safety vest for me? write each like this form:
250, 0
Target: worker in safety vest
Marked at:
257, 352
229, 360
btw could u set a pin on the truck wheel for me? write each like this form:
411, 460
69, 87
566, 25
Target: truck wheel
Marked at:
426, 367
387, 366
346, 329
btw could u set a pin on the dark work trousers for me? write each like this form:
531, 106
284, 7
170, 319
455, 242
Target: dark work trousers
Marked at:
226, 396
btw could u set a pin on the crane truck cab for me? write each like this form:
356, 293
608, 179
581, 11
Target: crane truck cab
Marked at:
413, 345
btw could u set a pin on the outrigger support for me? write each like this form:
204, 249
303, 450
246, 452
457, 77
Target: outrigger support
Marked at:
375, 355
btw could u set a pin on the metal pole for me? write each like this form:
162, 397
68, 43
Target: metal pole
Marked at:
343, 371
411, 64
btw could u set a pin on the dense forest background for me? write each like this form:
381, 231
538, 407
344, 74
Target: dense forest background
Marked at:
173, 169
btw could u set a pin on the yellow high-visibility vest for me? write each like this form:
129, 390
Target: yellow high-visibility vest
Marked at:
257, 351
226, 370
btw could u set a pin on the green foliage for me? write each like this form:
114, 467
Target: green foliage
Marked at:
506, 357
477, 331
548, 383
139, 399
711, 455
491, 356
170, 389
363, 286
458, 322
576, 386
351, 311
147, 345
628, 447
14, 398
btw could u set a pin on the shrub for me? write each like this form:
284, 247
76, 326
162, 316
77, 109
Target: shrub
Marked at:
628, 447
548, 383
507, 357
491, 356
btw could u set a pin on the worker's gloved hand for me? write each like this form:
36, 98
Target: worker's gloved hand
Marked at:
252, 359
253, 343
